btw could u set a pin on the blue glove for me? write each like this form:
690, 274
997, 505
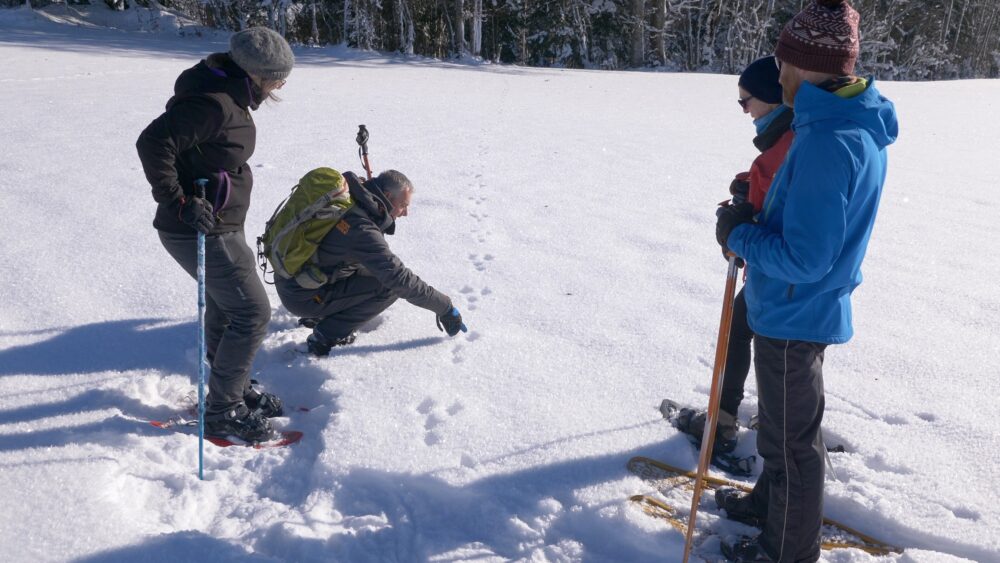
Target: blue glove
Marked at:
451, 322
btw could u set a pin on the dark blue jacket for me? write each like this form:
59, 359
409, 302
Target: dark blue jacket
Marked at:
806, 249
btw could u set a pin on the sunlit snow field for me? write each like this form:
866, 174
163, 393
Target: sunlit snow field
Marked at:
569, 215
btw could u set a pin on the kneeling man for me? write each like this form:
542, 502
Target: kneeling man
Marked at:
364, 276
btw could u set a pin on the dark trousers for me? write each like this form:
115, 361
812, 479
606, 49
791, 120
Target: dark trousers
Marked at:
236, 310
737, 357
342, 306
790, 490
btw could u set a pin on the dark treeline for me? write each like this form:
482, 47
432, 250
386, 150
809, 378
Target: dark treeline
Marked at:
901, 39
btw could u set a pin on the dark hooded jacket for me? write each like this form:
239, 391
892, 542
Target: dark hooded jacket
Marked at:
357, 246
206, 132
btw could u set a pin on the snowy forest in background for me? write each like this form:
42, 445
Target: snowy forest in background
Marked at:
901, 39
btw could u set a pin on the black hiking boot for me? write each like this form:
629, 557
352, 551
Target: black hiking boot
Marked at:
738, 507
744, 550
240, 422
691, 421
267, 404
309, 322
320, 345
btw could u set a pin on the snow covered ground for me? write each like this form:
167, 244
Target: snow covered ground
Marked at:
570, 216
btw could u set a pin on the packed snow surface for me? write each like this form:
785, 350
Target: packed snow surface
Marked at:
569, 215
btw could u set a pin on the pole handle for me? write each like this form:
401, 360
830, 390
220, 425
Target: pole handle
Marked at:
362, 140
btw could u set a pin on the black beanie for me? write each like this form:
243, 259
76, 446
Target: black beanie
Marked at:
760, 80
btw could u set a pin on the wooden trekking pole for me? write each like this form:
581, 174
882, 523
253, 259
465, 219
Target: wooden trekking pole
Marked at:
708, 434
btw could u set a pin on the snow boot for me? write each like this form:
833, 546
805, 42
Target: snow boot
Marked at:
267, 404
744, 550
309, 322
241, 422
738, 506
320, 345
692, 421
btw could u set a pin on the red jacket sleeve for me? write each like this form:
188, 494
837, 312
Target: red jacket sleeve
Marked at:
764, 168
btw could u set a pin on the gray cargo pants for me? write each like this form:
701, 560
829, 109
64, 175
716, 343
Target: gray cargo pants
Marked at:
236, 310
341, 306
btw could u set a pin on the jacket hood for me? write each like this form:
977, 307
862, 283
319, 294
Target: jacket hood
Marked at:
217, 74
869, 110
368, 198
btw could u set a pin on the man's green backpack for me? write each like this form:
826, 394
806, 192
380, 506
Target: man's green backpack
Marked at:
296, 229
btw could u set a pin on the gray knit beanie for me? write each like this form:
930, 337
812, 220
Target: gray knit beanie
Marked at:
262, 52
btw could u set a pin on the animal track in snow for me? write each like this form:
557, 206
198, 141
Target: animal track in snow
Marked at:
435, 417
880, 463
965, 513
425, 406
895, 420
480, 262
456, 354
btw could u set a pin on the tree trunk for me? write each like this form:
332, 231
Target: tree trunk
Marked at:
347, 22
404, 17
947, 22
661, 31
460, 46
477, 28
582, 23
314, 31
961, 18
638, 32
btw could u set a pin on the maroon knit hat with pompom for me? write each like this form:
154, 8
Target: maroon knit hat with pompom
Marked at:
823, 37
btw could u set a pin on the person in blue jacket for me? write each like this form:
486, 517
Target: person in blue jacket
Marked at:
804, 250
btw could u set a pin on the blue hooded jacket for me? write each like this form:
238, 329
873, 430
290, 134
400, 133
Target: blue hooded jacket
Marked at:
805, 251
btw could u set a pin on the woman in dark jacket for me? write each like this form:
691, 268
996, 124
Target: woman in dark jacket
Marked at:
760, 97
207, 132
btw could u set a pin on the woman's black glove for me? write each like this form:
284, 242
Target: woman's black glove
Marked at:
196, 212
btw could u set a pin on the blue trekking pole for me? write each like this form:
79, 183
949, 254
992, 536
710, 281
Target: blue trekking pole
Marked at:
202, 361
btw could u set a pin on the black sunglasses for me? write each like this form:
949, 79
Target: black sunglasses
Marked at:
744, 101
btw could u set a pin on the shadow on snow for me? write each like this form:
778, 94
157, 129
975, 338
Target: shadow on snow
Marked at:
178, 547
131, 344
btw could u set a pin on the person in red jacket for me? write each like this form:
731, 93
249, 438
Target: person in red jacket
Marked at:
760, 97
